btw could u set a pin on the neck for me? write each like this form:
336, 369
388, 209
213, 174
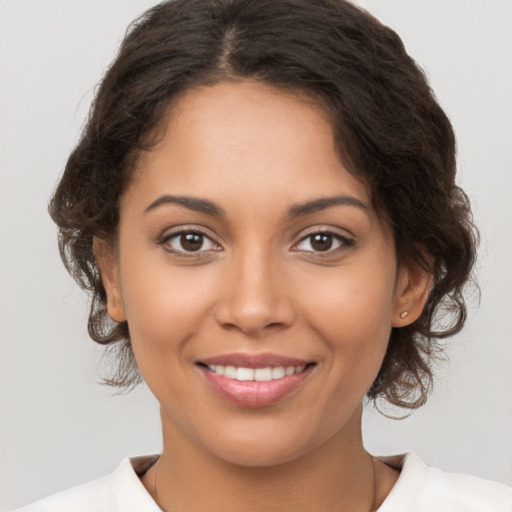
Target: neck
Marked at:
338, 476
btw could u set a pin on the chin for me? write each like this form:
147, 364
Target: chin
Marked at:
256, 456
259, 447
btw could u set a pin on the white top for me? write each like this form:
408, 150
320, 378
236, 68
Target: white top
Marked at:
419, 488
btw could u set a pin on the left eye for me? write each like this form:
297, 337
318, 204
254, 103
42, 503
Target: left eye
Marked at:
322, 242
189, 241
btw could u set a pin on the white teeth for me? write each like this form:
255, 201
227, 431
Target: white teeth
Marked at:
257, 374
278, 373
230, 372
245, 374
263, 374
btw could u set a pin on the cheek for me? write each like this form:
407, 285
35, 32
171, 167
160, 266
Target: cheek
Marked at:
351, 311
165, 306
352, 318
166, 309
358, 312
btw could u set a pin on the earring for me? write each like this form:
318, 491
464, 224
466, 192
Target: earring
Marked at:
404, 314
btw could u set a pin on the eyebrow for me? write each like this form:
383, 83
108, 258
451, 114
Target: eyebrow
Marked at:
298, 210
322, 203
192, 203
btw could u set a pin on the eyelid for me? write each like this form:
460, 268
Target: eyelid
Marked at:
346, 241
180, 230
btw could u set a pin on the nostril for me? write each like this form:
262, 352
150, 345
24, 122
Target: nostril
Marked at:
275, 324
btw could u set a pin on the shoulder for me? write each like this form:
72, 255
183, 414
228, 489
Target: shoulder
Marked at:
426, 489
121, 491
77, 499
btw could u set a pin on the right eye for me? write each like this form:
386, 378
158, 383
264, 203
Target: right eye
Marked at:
188, 242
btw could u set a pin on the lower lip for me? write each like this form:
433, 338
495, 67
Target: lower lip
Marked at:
252, 393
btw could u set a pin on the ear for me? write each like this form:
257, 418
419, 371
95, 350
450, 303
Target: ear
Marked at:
108, 265
412, 289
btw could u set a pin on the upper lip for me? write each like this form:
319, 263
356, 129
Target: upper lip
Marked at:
242, 360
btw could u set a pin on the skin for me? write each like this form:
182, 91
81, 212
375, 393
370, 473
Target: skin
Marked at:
257, 285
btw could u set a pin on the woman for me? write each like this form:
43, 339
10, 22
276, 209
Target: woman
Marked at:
263, 205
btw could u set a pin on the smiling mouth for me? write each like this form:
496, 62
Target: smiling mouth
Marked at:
259, 386
264, 374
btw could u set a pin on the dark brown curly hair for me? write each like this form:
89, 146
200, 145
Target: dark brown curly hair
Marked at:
391, 133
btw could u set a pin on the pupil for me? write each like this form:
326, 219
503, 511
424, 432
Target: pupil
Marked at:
321, 242
191, 241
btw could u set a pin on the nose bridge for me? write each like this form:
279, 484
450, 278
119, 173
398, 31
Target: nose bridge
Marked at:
254, 297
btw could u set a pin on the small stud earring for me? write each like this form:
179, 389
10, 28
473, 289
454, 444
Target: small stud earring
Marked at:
404, 314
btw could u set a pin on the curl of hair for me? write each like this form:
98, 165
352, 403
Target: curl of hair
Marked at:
388, 126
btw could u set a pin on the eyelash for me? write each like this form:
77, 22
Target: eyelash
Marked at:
346, 243
164, 241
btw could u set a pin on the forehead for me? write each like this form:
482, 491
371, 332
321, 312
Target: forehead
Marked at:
247, 140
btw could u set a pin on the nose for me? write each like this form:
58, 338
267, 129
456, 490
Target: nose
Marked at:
254, 297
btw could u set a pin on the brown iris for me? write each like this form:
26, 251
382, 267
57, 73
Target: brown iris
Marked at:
191, 241
321, 242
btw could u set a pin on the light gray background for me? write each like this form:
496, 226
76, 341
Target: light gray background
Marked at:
59, 427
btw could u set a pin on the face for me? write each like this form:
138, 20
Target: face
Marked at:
247, 251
